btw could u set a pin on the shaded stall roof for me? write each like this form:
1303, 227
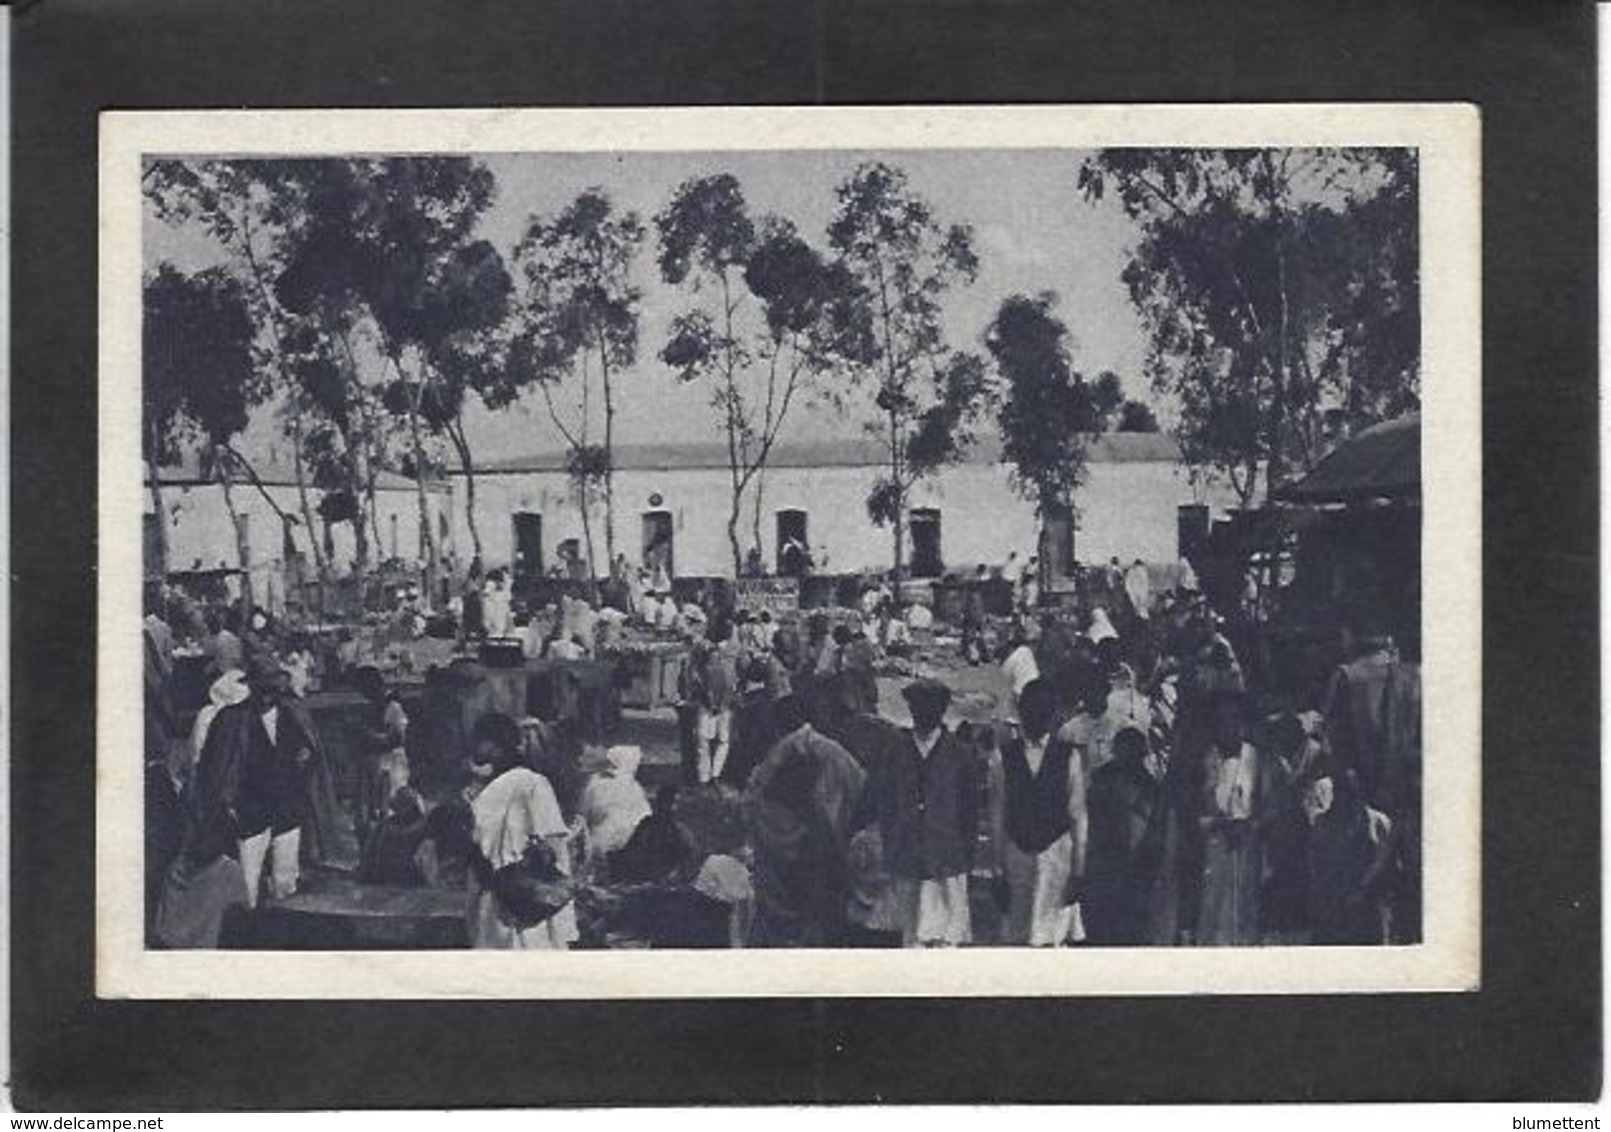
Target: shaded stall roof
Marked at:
1384, 461
851, 452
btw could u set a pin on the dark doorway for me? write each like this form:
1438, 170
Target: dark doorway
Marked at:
926, 560
528, 563
570, 556
658, 555
794, 544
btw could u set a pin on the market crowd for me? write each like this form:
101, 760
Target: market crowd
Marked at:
1132, 785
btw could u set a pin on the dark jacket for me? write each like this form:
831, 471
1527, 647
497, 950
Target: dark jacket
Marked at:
927, 808
237, 779
1037, 804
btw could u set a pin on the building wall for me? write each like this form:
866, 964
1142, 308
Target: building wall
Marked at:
199, 528
1127, 509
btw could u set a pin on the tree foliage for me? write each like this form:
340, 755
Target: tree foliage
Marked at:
391, 243
578, 314
200, 378
903, 262
1136, 416
783, 319
249, 208
1279, 289
1049, 410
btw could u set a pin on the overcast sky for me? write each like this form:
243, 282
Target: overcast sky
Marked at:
1033, 230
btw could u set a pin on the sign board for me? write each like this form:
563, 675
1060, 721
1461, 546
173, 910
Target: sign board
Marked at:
780, 595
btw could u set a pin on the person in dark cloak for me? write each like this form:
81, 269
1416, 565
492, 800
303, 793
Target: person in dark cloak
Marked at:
166, 777
754, 728
659, 846
800, 827
1283, 901
392, 855
473, 620
1350, 862
1131, 824
230, 813
328, 837
801, 881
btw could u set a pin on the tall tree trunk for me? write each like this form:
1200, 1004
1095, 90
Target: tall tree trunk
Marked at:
736, 490
374, 521
585, 493
360, 536
321, 565
372, 461
277, 332
356, 460
154, 481
357, 471
734, 515
461, 445
427, 535
243, 545
1275, 466
609, 456
760, 494
737, 455
900, 539
899, 520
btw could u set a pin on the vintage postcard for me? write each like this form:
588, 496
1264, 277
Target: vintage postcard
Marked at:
910, 550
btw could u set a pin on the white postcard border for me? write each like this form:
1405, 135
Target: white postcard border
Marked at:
1447, 136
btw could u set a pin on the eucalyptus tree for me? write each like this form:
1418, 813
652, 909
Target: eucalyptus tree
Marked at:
200, 381
928, 396
579, 316
1048, 409
250, 209
1279, 290
770, 318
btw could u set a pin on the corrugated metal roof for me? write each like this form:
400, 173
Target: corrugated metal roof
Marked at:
1382, 461
850, 452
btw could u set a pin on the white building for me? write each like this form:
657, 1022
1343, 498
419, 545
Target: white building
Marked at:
200, 535
965, 515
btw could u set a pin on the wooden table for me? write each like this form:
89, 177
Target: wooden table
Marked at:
338, 914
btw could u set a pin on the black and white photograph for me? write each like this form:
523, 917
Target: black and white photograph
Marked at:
832, 533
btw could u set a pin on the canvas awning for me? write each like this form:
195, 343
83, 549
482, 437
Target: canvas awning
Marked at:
1382, 462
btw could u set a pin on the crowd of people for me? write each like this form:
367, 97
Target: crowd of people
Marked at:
1130, 788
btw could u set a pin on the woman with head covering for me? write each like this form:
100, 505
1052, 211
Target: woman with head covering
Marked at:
514, 809
658, 847
1124, 706
230, 688
613, 803
1101, 629
496, 607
